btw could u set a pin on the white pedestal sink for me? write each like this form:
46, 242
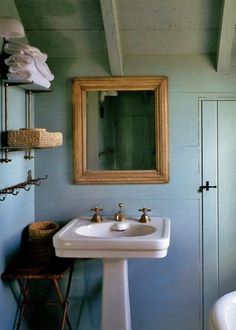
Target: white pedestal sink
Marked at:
114, 242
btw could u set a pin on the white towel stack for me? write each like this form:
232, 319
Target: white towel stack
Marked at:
27, 63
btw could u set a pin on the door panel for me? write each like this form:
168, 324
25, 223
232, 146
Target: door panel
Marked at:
210, 198
227, 195
219, 205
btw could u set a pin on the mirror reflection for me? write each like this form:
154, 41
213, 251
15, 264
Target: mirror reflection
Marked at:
121, 130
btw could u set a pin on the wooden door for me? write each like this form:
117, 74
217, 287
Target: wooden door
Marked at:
219, 200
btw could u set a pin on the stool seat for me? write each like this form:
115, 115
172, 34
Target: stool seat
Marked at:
25, 268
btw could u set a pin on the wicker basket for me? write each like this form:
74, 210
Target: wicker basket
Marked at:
42, 230
34, 138
40, 240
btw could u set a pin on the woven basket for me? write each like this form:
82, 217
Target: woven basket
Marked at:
34, 138
40, 240
42, 230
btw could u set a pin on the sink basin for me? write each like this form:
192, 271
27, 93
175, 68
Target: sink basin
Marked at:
129, 239
114, 242
110, 229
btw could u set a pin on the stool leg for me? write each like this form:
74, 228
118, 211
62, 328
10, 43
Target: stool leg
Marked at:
68, 291
24, 289
63, 303
67, 294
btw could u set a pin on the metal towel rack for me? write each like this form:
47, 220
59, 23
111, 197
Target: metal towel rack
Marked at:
26, 185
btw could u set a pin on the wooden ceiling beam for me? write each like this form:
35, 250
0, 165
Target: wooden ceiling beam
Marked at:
226, 35
111, 27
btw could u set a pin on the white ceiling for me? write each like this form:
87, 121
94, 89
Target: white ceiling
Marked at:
117, 28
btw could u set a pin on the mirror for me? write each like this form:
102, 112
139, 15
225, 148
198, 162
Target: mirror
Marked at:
120, 130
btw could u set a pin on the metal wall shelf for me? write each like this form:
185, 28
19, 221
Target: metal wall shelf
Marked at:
27, 85
29, 88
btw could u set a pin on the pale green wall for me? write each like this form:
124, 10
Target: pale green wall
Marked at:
165, 294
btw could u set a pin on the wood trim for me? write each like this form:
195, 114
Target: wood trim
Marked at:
82, 175
226, 36
111, 27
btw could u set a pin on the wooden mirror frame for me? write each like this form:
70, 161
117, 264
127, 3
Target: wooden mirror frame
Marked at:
82, 175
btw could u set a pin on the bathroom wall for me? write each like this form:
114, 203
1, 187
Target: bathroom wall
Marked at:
165, 294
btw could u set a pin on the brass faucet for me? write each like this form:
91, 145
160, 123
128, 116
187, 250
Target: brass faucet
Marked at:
96, 217
145, 217
119, 216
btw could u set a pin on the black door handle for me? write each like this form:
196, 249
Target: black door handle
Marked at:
207, 187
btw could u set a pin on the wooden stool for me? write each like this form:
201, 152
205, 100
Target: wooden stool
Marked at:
25, 269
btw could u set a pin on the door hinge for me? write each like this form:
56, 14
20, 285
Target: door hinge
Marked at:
207, 187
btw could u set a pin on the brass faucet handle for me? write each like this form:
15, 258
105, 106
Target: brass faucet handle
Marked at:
96, 217
145, 217
144, 210
96, 209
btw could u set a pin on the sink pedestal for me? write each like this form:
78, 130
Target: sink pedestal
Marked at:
115, 295
114, 243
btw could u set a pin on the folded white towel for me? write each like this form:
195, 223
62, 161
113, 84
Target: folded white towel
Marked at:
15, 68
34, 77
17, 48
20, 46
27, 63
31, 68
21, 59
18, 62
43, 69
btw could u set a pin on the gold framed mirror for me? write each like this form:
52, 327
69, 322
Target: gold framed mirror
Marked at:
120, 130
